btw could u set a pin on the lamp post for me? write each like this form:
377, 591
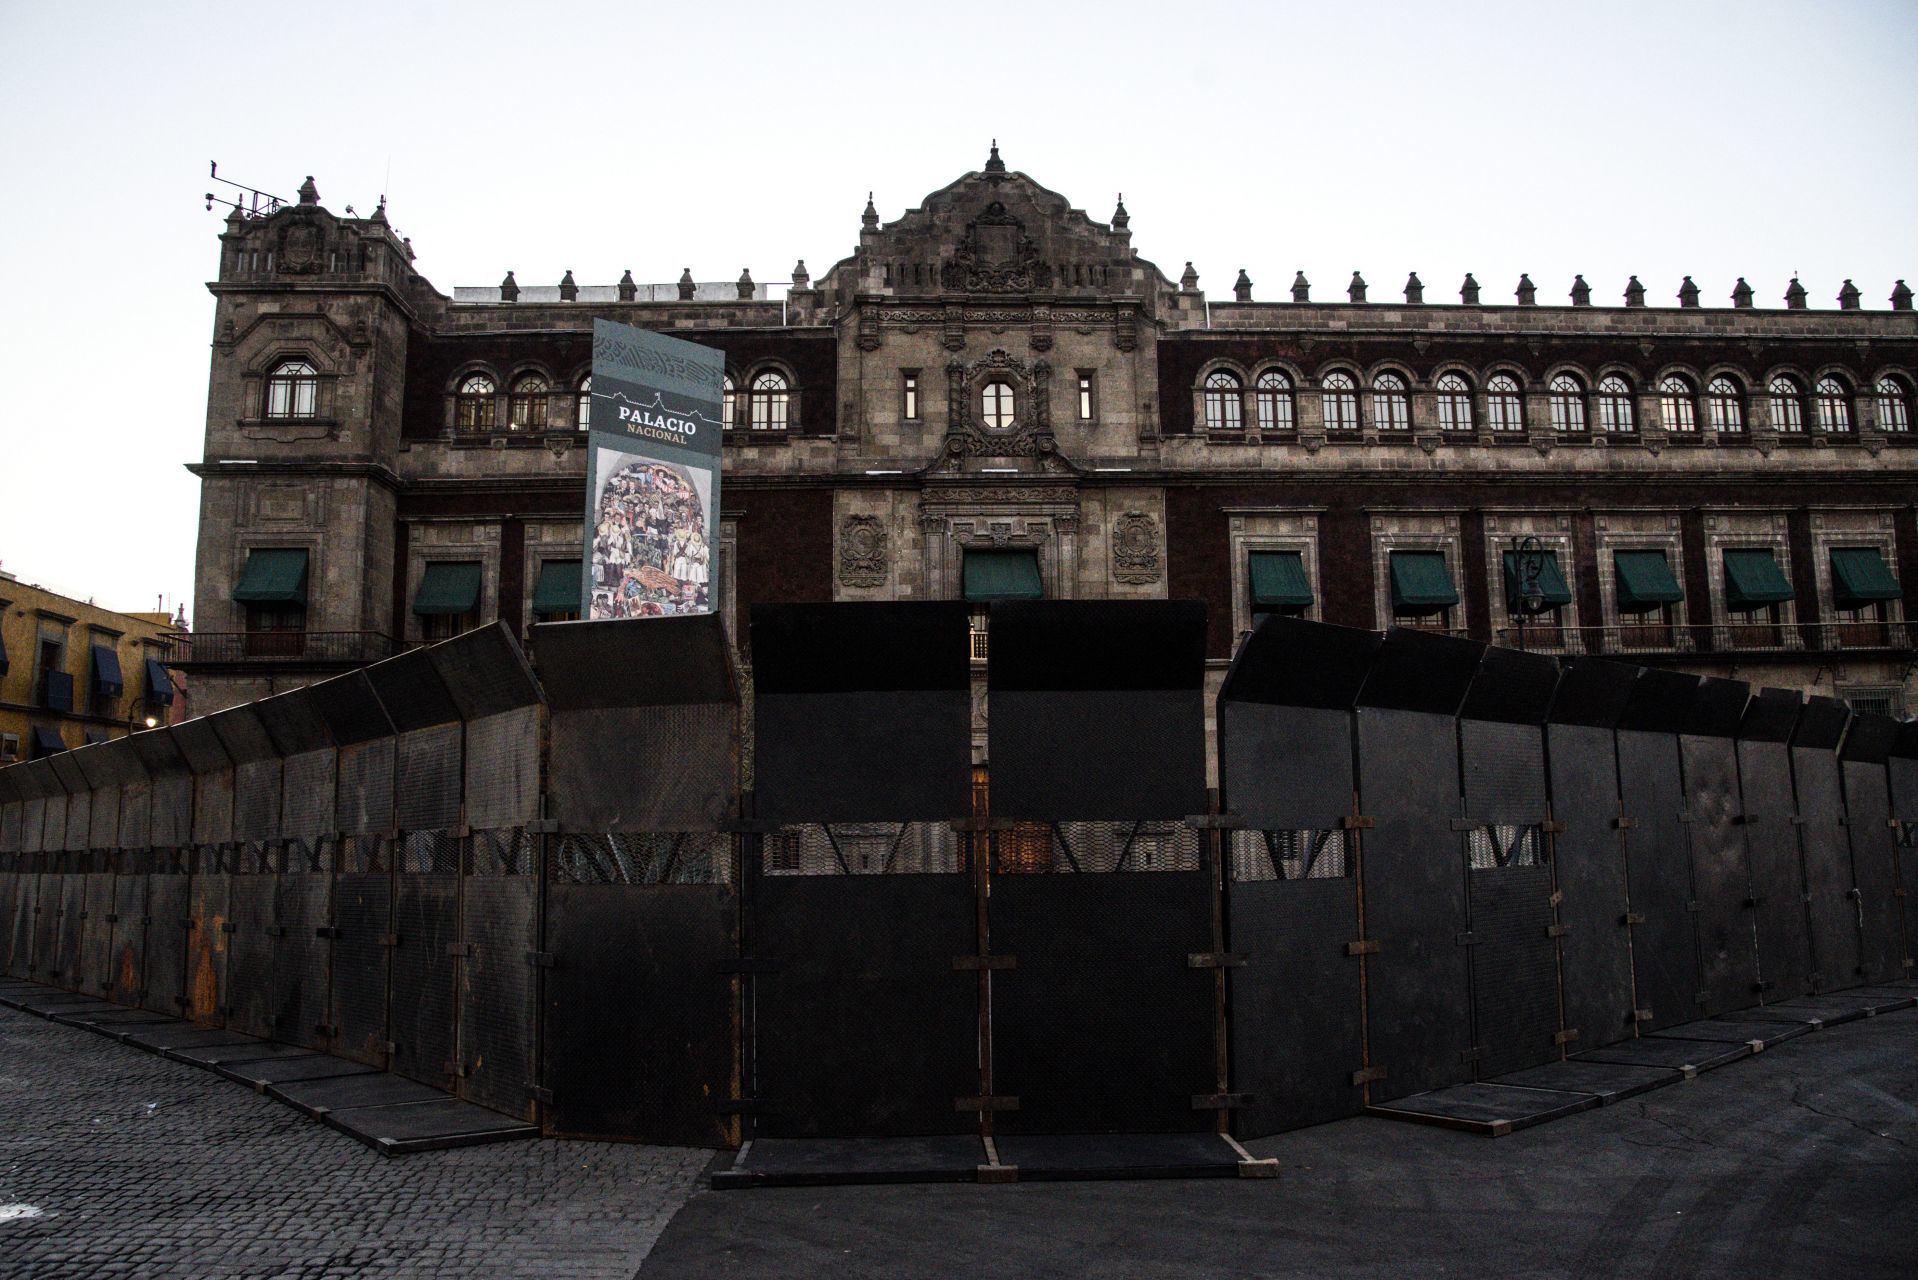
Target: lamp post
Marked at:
1528, 560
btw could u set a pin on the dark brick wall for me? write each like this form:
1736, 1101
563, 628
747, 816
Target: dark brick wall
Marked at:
785, 549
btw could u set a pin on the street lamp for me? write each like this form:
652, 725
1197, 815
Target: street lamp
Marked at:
1528, 561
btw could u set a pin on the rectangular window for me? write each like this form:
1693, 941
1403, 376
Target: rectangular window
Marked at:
992, 575
1422, 587
9, 747
556, 594
1278, 584
1085, 396
447, 601
909, 395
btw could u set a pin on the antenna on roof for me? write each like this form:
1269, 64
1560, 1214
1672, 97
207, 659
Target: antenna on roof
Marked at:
250, 202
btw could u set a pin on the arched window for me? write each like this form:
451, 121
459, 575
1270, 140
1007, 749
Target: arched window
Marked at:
1224, 411
1454, 403
998, 409
1504, 410
1568, 403
474, 406
1614, 404
1833, 401
1274, 395
526, 404
1724, 405
1390, 409
727, 394
583, 404
1894, 405
1787, 405
292, 390
1676, 405
1340, 395
771, 402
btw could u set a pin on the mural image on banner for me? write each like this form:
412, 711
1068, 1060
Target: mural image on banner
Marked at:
652, 496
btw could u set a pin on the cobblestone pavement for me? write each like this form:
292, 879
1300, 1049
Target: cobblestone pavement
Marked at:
115, 1162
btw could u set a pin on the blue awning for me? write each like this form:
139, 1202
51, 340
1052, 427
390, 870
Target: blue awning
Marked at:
159, 684
46, 740
106, 671
57, 691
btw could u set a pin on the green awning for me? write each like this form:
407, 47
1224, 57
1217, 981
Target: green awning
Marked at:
448, 587
1279, 581
1860, 576
558, 588
1421, 584
106, 671
1552, 589
273, 575
1002, 575
1645, 581
1753, 580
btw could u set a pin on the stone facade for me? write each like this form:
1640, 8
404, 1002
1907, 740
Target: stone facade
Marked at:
997, 370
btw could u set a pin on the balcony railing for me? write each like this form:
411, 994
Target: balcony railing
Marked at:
1737, 637
314, 648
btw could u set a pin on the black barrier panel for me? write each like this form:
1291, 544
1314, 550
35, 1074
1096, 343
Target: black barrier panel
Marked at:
1902, 769
1721, 879
16, 927
1589, 864
33, 824
864, 1028
664, 689
1874, 846
251, 943
426, 788
485, 671
498, 1007
366, 788
199, 742
69, 969
10, 820
169, 909
104, 827
97, 929
862, 712
1290, 662
1417, 671
1659, 876
79, 828
293, 722
1771, 841
128, 971
1825, 845
1096, 709
308, 798
53, 838
363, 921
425, 972
213, 808
502, 769
256, 801
136, 812
351, 710
49, 905
411, 690
638, 1041
207, 938
302, 960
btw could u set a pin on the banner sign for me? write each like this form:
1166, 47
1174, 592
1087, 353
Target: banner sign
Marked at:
652, 480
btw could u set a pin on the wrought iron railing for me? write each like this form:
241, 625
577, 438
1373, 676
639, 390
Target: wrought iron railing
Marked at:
206, 648
1737, 637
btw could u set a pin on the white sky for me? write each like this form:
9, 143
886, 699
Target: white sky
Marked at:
1661, 139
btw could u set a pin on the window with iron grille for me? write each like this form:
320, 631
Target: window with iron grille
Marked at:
1224, 413
1391, 410
1884, 700
1504, 409
1340, 395
1454, 403
1615, 405
1568, 403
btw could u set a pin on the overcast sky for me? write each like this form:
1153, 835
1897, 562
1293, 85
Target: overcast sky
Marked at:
1662, 139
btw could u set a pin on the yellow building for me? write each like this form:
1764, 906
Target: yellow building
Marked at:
73, 673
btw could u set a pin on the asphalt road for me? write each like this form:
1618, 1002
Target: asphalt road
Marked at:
1801, 1161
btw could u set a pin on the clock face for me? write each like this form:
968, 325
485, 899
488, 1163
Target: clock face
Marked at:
996, 412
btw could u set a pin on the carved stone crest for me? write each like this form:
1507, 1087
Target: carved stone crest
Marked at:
862, 552
996, 256
1135, 548
300, 247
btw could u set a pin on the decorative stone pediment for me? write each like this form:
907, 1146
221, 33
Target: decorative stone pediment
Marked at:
996, 256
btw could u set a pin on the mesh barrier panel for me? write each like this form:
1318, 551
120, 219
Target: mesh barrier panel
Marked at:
1590, 870
1092, 848
47, 908
206, 938
169, 908
256, 800
128, 966
251, 943
33, 825
862, 848
136, 813
1874, 854
677, 768
213, 807
1771, 842
1721, 879
1513, 962
172, 824
79, 828
363, 916
502, 769
16, 925
302, 965
105, 832
499, 906
644, 857
366, 788
427, 782
1255, 856
96, 934
69, 969
1826, 848
424, 974
1664, 940
53, 838
10, 821
307, 798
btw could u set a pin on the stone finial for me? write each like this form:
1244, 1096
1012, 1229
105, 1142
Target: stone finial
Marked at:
1190, 280
234, 218
627, 289
1848, 298
1468, 292
746, 286
1794, 295
1741, 293
509, 289
1242, 287
1414, 290
1634, 293
1901, 297
1121, 220
800, 278
993, 163
568, 291
379, 212
1301, 288
686, 284
406, 243
1581, 292
1688, 293
1356, 290
309, 194
870, 218
1527, 291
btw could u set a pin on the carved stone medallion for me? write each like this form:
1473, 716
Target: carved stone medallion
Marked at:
862, 552
1135, 548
